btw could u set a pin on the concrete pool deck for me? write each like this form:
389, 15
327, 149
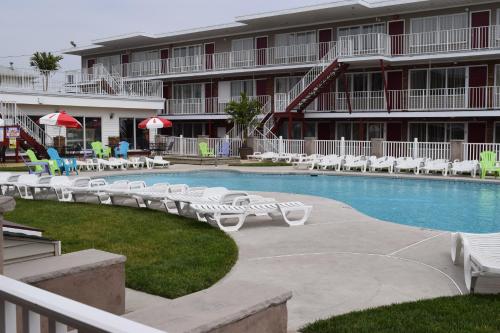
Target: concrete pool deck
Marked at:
341, 260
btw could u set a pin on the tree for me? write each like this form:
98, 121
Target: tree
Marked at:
243, 113
46, 63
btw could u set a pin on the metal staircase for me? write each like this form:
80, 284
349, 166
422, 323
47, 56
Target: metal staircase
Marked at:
34, 135
237, 130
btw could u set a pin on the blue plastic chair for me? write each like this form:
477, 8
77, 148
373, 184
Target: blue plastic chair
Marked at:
122, 149
224, 149
66, 164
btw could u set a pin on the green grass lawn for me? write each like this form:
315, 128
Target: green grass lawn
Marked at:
460, 314
13, 168
167, 255
261, 164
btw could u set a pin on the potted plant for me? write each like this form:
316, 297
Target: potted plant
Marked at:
244, 113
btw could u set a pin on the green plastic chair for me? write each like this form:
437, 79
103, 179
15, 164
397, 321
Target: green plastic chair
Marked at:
100, 150
205, 151
52, 164
488, 163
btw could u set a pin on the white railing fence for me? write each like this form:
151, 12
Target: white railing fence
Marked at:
472, 151
342, 147
34, 305
416, 149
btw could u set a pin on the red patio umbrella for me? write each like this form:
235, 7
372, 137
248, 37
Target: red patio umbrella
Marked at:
60, 119
155, 122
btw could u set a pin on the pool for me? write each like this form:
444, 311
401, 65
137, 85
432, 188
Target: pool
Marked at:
442, 205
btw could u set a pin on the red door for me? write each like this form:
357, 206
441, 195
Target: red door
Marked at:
325, 37
396, 31
394, 89
124, 60
478, 80
480, 22
324, 131
210, 104
394, 131
209, 56
261, 87
90, 65
261, 46
164, 55
476, 133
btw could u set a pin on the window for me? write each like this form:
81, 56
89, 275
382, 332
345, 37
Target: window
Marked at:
296, 38
436, 132
127, 127
109, 61
242, 44
187, 51
246, 86
145, 55
422, 27
437, 78
92, 130
497, 132
362, 82
80, 138
360, 131
282, 85
189, 130
186, 91
361, 29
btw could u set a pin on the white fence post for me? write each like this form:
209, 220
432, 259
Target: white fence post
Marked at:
342, 146
181, 144
415, 148
280, 145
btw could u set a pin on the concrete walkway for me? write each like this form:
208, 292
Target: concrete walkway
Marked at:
342, 260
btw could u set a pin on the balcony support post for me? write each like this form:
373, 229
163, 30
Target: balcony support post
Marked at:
290, 125
347, 93
386, 92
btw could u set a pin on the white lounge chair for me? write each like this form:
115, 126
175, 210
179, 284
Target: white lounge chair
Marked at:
112, 163
331, 161
255, 156
95, 191
383, 163
359, 162
481, 255
289, 158
134, 162
54, 187
218, 213
268, 156
308, 162
155, 161
409, 164
436, 166
18, 186
89, 164
468, 166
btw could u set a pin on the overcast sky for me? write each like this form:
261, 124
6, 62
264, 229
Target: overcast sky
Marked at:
27, 26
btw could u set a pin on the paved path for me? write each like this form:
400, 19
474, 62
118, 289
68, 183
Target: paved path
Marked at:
342, 260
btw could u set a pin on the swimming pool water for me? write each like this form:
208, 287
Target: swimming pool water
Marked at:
442, 205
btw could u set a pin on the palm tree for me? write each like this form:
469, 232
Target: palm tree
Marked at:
46, 63
243, 113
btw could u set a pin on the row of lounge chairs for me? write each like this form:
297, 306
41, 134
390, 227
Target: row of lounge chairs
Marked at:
100, 164
218, 206
372, 163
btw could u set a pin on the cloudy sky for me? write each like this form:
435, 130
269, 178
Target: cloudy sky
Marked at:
27, 26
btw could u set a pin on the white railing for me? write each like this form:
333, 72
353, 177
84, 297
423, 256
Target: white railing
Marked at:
12, 115
342, 147
63, 314
467, 98
456, 40
472, 151
416, 149
212, 105
216, 144
363, 45
272, 56
372, 44
78, 83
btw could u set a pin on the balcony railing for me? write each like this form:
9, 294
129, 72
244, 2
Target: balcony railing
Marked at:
212, 105
83, 82
373, 44
273, 56
467, 98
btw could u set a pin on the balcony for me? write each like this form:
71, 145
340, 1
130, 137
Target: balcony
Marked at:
256, 58
203, 106
96, 83
446, 99
348, 48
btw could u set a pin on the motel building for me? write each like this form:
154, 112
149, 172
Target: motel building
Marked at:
351, 69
